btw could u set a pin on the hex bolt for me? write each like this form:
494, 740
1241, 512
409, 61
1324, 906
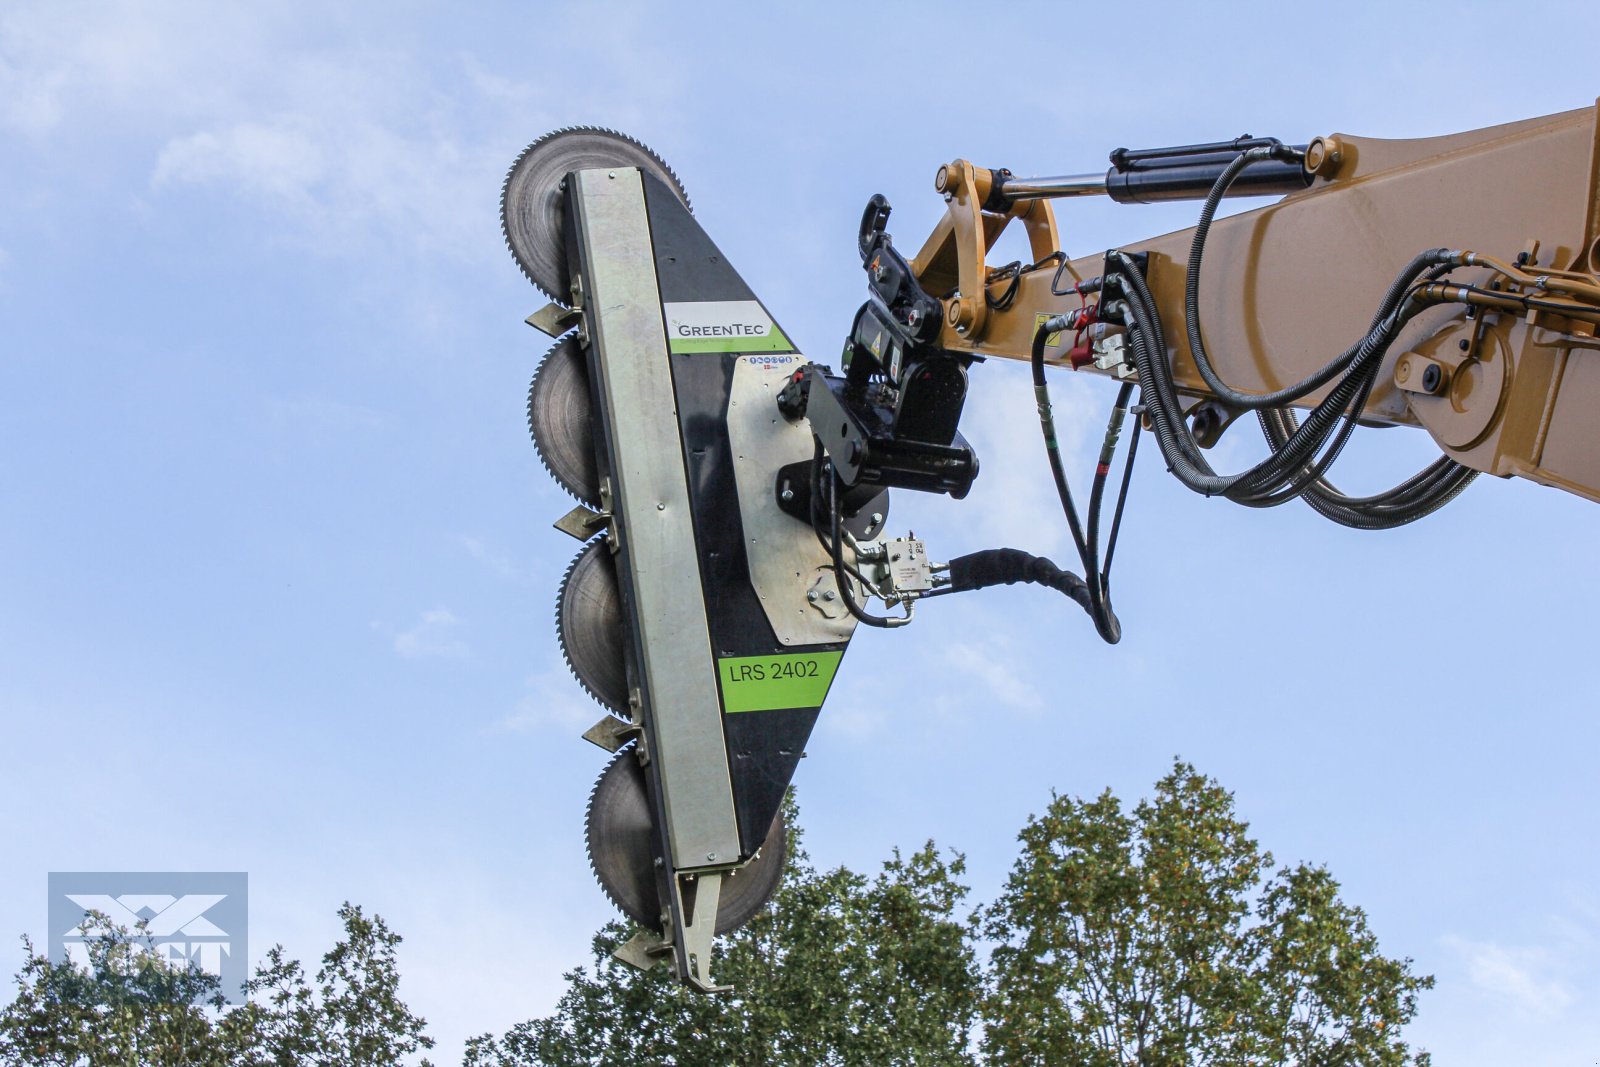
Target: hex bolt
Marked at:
1431, 377
1464, 344
711, 856
811, 595
829, 595
661, 507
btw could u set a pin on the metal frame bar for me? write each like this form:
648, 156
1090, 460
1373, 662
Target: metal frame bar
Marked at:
657, 562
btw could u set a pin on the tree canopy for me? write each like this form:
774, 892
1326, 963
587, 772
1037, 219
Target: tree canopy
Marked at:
1161, 936
839, 969
130, 1006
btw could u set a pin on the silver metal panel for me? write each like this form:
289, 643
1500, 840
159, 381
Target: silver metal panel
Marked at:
659, 566
791, 573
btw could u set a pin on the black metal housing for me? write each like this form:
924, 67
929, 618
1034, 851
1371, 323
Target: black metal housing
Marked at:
1187, 172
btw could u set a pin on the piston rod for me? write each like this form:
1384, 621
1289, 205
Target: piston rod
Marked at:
1054, 188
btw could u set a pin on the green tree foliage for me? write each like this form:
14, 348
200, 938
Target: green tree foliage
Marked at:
839, 969
1160, 938
132, 1007
1157, 937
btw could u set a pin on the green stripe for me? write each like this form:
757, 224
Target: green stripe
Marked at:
772, 342
768, 683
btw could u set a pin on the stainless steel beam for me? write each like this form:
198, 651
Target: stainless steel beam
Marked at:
658, 565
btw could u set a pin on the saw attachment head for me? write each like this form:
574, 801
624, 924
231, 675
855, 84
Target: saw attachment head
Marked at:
532, 198
590, 626
623, 851
561, 420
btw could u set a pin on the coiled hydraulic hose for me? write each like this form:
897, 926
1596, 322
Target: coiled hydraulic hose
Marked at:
1294, 466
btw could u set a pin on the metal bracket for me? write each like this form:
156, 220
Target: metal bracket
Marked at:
698, 896
643, 950
581, 522
611, 733
554, 319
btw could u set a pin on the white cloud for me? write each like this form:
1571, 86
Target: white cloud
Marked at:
552, 700
990, 662
318, 414
276, 161
433, 636
1013, 502
500, 564
60, 61
342, 144
1523, 979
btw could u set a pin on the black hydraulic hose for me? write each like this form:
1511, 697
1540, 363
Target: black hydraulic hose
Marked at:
1122, 499
840, 577
1119, 414
1191, 300
1288, 394
1419, 496
1255, 485
1258, 486
1105, 620
1006, 566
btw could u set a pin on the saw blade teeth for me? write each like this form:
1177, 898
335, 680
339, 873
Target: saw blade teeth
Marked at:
588, 823
561, 421
603, 649
618, 821
536, 242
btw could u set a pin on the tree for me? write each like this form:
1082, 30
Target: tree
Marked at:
839, 969
131, 1006
1159, 938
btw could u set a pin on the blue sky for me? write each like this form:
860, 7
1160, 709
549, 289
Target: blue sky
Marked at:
276, 569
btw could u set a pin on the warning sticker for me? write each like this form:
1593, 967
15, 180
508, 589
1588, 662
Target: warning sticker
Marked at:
1051, 341
768, 683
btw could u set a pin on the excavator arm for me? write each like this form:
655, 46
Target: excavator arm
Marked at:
733, 495
1498, 366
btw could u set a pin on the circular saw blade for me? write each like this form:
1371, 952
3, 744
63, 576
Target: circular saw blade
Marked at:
531, 199
622, 853
561, 420
590, 626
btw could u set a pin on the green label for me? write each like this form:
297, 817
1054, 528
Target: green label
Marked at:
767, 683
722, 326
770, 342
